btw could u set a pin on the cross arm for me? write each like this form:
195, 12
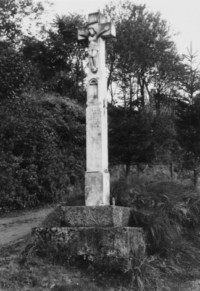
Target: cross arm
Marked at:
82, 33
107, 30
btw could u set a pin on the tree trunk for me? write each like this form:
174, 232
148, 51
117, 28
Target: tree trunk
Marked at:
141, 82
131, 94
142, 95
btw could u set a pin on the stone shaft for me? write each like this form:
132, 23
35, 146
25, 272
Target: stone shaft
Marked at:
97, 178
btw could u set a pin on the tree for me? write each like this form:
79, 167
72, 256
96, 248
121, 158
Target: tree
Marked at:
188, 123
42, 136
191, 76
14, 14
14, 72
166, 146
146, 70
130, 137
188, 107
143, 56
59, 59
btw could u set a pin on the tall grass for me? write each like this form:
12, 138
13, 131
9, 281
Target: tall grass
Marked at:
168, 212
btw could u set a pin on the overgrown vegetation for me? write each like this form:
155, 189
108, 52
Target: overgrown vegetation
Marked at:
42, 150
25, 271
170, 215
42, 147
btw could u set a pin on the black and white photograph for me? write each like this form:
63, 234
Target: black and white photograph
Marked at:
99, 145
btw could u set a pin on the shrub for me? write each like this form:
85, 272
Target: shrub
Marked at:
41, 150
15, 72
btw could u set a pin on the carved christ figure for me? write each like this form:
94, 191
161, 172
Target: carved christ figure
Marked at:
93, 46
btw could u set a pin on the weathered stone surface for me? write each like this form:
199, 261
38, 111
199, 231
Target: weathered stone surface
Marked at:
112, 247
97, 178
54, 218
98, 216
97, 188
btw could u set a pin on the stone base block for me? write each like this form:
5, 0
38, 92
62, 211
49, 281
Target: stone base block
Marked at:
95, 216
97, 188
115, 248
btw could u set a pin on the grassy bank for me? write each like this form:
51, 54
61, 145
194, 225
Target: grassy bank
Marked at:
169, 214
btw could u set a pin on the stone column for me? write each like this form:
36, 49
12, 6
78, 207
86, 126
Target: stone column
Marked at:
97, 178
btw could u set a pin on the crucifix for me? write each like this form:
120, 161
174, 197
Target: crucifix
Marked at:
97, 178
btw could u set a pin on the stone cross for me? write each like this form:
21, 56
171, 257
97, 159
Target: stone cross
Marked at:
97, 178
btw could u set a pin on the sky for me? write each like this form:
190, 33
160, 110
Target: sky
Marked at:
183, 16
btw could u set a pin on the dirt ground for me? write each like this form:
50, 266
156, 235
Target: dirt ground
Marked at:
18, 224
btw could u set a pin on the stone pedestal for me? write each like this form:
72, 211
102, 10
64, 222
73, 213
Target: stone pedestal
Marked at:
100, 235
114, 248
94, 216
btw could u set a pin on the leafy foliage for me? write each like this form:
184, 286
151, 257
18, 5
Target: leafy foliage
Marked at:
58, 60
14, 73
143, 57
130, 137
12, 16
145, 70
41, 146
188, 125
141, 136
191, 75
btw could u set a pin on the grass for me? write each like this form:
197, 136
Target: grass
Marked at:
170, 216
40, 274
169, 213
20, 271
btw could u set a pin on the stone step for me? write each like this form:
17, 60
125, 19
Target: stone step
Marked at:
94, 216
115, 248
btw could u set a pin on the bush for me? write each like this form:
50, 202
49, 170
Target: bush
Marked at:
41, 150
15, 72
167, 211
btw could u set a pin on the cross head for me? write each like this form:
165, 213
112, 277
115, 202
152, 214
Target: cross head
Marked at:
96, 30
96, 21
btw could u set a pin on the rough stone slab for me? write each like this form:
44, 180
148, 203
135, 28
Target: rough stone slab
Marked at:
112, 247
95, 216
